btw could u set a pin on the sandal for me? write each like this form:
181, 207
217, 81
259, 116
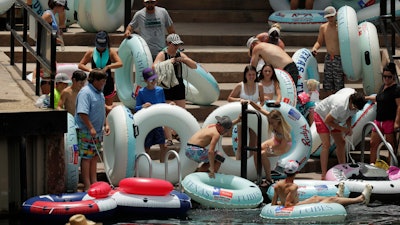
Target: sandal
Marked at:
169, 143
176, 137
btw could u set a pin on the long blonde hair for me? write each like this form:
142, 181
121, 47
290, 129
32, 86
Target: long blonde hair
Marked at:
277, 115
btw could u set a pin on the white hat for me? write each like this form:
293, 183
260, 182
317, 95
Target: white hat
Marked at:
329, 11
62, 2
250, 41
291, 167
62, 77
79, 219
174, 39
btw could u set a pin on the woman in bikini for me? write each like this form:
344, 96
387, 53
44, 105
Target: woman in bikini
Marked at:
278, 144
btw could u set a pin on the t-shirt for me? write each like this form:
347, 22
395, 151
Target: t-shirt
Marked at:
90, 101
153, 96
386, 108
152, 27
337, 105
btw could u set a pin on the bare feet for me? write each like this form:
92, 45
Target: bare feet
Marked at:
340, 192
367, 193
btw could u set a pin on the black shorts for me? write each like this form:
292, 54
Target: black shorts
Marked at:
109, 89
175, 93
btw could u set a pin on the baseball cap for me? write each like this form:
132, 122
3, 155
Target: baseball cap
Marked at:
174, 39
291, 167
149, 0
250, 41
329, 11
225, 122
62, 78
62, 2
149, 74
101, 40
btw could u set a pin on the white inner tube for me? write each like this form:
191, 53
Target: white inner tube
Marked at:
350, 51
201, 86
71, 155
96, 15
370, 58
178, 119
119, 147
133, 51
301, 136
5, 5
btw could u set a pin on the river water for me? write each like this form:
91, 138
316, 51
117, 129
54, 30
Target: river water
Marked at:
376, 212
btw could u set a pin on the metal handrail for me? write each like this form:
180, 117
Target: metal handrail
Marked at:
393, 160
179, 167
147, 156
40, 59
245, 148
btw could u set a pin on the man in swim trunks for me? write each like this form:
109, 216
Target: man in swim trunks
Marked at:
273, 55
286, 191
328, 34
90, 117
209, 136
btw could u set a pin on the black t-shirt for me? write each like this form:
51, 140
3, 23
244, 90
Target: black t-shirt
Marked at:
386, 103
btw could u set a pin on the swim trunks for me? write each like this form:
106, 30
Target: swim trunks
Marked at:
197, 153
87, 145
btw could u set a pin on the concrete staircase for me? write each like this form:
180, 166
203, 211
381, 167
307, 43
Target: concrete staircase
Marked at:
215, 33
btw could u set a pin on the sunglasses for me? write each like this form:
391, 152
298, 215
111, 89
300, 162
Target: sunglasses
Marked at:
152, 80
150, 2
388, 77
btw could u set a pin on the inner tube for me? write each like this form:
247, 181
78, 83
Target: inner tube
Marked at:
173, 204
62, 206
5, 5
278, 5
119, 159
357, 175
231, 165
133, 49
308, 188
371, 58
97, 15
372, 13
316, 212
350, 50
172, 116
300, 133
71, 155
201, 86
301, 20
223, 191
145, 186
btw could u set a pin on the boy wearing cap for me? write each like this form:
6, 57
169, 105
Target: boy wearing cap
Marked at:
67, 99
209, 136
328, 34
148, 96
151, 22
62, 81
286, 191
105, 58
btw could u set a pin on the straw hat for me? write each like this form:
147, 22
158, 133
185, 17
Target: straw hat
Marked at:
79, 219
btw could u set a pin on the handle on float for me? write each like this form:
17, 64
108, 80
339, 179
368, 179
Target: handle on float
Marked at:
179, 167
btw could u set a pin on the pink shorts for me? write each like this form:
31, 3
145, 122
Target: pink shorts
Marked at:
386, 127
321, 126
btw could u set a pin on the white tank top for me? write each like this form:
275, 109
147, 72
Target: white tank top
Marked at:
270, 89
245, 96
